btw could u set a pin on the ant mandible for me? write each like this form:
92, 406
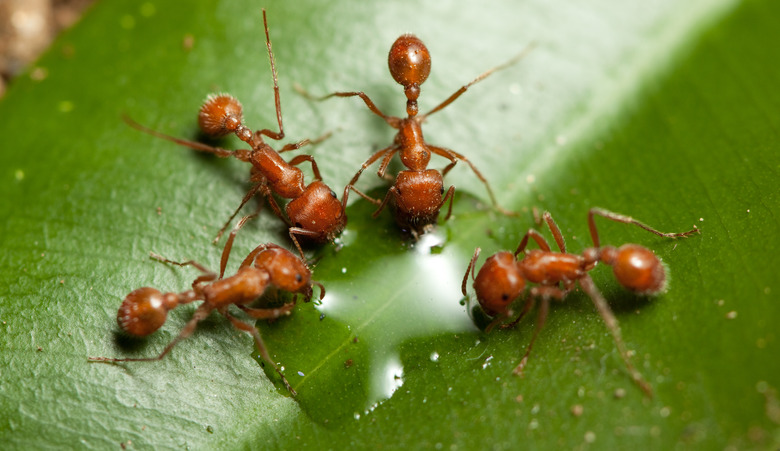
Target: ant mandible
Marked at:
502, 278
417, 194
145, 310
314, 211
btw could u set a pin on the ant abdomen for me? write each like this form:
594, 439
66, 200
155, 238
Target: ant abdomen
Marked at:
220, 115
498, 283
409, 61
638, 269
143, 311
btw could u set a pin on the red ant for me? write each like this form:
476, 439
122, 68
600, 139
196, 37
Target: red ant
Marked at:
418, 192
502, 278
314, 211
145, 310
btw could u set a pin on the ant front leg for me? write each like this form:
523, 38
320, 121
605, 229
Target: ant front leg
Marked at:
470, 268
269, 313
229, 244
371, 160
301, 158
543, 245
453, 156
529, 304
594, 234
302, 232
450, 195
260, 347
391, 120
556, 231
252, 255
391, 192
260, 187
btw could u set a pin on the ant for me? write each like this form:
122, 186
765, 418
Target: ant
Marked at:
314, 211
503, 277
145, 310
417, 194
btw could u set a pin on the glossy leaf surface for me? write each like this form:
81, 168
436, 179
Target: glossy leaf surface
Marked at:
666, 112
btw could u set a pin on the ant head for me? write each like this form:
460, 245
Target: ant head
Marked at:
498, 283
410, 64
319, 211
220, 115
287, 271
144, 311
636, 268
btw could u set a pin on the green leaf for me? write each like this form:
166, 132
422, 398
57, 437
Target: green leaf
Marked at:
663, 111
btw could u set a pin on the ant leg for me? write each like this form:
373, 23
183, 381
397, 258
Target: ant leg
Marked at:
529, 304
614, 328
628, 220
471, 269
537, 237
449, 195
200, 314
391, 120
302, 232
365, 196
540, 319
304, 142
351, 185
260, 347
275, 207
371, 160
269, 133
301, 158
385, 163
556, 231
249, 195
251, 257
392, 191
269, 313
448, 168
481, 77
452, 155
229, 244
207, 274
240, 154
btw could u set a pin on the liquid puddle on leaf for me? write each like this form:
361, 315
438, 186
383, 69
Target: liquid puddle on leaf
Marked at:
344, 356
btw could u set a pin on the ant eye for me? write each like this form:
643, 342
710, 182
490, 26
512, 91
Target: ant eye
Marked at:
504, 297
333, 194
441, 191
299, 225
298, 278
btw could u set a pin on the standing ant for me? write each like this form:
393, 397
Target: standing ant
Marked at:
145, 310
314, 211
502, 278
417, 194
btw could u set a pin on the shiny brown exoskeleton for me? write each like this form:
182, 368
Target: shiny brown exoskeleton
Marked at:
502, 278
314, 212
418, 192
145, 310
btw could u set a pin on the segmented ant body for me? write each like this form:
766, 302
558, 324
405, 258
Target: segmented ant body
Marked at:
417, 194
314, 212
502, 278
268, 266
